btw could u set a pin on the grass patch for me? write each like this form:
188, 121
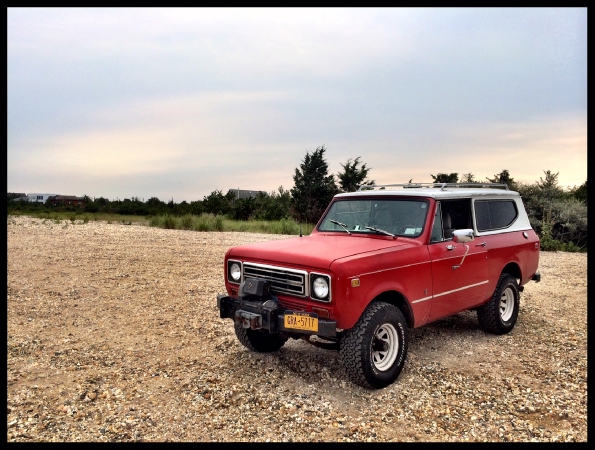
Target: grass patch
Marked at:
204, 222
170, 222
211, 222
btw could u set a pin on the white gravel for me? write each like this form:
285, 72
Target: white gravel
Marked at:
114, 335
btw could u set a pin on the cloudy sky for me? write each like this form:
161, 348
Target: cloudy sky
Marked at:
176, 103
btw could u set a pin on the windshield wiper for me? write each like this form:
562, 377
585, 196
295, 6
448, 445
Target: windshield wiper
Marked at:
340, 224
378, 230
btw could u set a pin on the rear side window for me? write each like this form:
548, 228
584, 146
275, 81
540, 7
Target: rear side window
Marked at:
495, 214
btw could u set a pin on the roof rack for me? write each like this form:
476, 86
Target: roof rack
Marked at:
442, 186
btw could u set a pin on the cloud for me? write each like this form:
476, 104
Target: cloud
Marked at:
197, 99
525, 149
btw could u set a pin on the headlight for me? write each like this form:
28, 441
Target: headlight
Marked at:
320, 287
234, 271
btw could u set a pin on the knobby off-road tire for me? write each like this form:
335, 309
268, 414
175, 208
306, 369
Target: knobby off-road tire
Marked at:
373, 352
499, 315
259, 341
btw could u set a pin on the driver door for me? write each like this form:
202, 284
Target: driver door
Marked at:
459, 271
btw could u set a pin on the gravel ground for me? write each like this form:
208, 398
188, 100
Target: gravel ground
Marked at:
114, 335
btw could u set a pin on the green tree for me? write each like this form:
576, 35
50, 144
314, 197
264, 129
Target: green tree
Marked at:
196, 207
580, 193
468, 178
313, 187
102, 201
91, 206
446, 178
155, 206
504, 178
549, 186
242, 208
353, 177
273, 206
183, 208
218, 204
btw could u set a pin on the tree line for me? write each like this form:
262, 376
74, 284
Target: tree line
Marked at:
558, 215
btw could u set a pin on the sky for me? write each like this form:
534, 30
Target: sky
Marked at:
176, 103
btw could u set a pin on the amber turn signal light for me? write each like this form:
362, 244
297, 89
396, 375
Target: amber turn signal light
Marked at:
321, 312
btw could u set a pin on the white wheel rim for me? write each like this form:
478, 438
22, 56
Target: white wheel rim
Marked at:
387, 337
506, 304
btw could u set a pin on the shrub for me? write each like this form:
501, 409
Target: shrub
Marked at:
287, 227
204, 222
202, 225
566, 216
547, 241
169, 222
218, 223
186, 222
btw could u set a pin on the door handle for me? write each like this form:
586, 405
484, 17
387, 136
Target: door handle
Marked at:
482, 244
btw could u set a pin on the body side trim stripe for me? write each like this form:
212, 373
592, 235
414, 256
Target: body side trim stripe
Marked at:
458, 256
450, 292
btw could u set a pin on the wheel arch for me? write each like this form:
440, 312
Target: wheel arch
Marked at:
513, 269
397, 299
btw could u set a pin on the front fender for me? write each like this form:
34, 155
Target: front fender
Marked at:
397, 283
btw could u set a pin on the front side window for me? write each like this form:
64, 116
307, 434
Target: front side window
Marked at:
399, 217
451, 215
495, 214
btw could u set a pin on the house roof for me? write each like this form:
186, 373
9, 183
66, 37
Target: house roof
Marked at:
66, 197
244, 193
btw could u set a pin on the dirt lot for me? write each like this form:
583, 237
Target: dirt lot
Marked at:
114, 335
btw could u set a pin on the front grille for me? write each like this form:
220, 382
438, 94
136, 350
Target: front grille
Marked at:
287, 281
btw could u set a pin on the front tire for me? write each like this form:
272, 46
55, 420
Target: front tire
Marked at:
373, 352
500, 313
259, 341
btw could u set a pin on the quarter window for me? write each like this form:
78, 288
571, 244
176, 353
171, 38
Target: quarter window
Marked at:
437, 235
495, 214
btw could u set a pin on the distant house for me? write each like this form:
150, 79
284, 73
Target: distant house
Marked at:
242, 193
73, 200
17, 196
40, 198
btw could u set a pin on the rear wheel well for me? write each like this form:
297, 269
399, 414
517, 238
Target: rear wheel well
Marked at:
513, 269
396, 298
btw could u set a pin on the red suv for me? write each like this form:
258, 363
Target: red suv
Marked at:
381, 261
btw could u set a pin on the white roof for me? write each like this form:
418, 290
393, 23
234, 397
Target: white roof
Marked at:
437, 193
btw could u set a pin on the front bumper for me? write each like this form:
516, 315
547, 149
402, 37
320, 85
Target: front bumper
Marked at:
268, 315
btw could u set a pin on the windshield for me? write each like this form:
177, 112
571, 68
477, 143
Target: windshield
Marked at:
399, 217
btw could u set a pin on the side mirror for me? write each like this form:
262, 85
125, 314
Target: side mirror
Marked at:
462, 236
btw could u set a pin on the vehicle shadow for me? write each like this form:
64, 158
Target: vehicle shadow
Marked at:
447, 341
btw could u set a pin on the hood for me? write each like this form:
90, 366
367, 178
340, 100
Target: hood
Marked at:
314, 251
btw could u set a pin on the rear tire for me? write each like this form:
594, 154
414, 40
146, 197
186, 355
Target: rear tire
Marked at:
258, 341
373, 352
500, 313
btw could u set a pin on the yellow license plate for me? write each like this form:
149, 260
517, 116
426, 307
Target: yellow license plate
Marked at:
302, 321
